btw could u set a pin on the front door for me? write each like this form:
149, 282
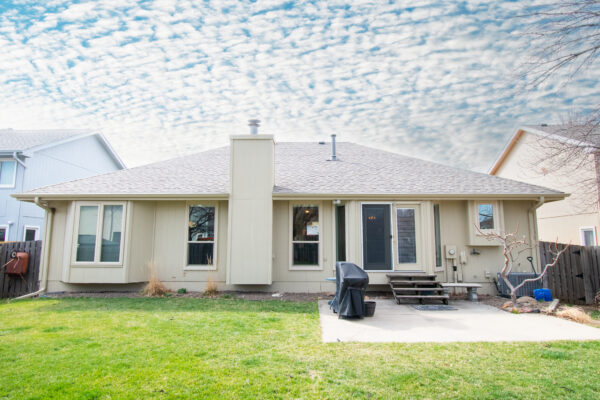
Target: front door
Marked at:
377, 237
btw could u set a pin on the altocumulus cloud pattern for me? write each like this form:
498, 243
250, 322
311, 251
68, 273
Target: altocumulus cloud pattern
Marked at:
433, 79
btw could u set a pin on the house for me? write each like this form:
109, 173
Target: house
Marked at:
29, 159
260, 215
563, 158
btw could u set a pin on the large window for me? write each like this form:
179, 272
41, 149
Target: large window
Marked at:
201, 235
305, 235
99, 233
8, 170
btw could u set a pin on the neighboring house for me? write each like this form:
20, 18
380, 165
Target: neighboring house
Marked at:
528, 157
260, 215
29, 159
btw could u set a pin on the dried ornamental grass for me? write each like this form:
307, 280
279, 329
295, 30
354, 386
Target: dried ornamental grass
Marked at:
154, 288
211, 288
574, 314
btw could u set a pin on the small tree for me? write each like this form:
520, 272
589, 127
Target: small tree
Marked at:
513, 247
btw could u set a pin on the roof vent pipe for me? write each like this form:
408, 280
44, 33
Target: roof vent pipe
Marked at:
333, 155
254, 124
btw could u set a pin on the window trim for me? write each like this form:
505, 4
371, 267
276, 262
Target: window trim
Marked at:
97, 248
7, 235
319, 266
14, 178
201, 267
495, 216
31, 227
582, 230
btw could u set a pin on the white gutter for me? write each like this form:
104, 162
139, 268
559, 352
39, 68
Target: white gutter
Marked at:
45, 260
18, 160
533, 229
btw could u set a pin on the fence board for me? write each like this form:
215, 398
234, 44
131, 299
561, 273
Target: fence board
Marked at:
576, 276
14, 286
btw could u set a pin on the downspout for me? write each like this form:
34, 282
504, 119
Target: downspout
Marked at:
17, 159
49, 217
533, 233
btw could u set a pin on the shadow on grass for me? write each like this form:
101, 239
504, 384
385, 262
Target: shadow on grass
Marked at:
170, 304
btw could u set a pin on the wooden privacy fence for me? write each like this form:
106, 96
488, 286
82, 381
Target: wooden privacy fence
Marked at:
576, 277
15, 285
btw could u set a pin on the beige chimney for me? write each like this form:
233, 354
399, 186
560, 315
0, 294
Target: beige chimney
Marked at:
250, 233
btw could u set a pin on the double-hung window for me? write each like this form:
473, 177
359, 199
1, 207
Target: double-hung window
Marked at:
99, 236
8, 173
305, 236
201, 236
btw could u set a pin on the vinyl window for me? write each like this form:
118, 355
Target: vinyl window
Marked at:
588, 236
306, 234
99, 230
3, 233
30, 233
8, 173
201, 235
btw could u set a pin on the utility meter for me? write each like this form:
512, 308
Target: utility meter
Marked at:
451, 252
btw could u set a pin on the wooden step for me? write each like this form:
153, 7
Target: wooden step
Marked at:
409, 275
407, 296
393, 281
419, 289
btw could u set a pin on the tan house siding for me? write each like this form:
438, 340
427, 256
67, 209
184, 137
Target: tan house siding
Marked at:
159, 235
563, 219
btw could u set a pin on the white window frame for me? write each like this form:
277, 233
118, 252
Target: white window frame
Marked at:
98, 245
582, 230
201, 267
34, 228
495, 216
7, 233
319, 266
14, 178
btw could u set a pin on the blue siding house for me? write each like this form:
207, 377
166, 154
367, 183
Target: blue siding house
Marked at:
31, 159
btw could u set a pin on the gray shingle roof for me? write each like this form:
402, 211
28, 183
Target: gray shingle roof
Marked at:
20, 140
300, 168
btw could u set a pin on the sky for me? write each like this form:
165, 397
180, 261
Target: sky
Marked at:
438, 80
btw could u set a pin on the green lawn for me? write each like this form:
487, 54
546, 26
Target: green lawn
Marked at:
124, 348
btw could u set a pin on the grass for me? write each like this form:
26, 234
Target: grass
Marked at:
123, 348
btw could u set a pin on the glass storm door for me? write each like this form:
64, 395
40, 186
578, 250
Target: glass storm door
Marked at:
377, 249
406, 243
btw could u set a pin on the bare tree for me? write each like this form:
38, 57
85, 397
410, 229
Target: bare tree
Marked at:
564, 45
566, 36
513, 247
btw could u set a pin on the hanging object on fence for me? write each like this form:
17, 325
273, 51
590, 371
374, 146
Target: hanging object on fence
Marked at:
17, 265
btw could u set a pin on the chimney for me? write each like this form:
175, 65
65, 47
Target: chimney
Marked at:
254, 124
250, 213
333, 155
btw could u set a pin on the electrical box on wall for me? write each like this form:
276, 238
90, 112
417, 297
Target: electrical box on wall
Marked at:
451, 252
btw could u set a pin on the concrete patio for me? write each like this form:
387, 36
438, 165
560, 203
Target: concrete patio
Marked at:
471, 322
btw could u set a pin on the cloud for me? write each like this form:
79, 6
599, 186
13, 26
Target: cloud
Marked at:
161, 79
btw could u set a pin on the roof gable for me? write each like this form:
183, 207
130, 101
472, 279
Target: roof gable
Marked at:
29, 141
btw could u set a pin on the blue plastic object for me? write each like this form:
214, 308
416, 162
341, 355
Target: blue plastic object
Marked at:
542, 294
